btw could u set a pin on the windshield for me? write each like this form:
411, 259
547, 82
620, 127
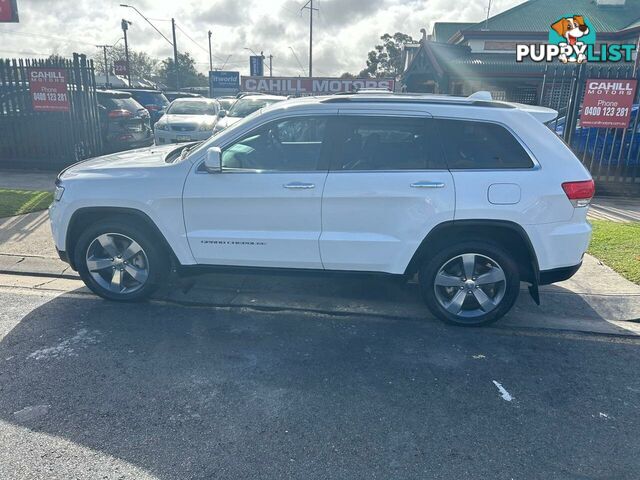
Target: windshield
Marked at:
150, 98
246, 106
181, 107
226, 103
208, 143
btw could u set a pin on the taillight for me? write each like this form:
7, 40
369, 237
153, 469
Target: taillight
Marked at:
580, 193
153, 108
121, 113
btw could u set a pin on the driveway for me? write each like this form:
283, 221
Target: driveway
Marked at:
93, 389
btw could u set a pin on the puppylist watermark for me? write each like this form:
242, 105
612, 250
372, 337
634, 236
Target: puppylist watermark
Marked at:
572, 39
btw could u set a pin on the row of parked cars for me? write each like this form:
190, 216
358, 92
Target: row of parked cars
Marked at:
136, 118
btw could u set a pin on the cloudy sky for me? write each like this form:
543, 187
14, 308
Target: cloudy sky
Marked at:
344, 30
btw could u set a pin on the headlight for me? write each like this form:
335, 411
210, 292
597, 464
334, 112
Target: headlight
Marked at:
162, 126
206, 127
57, 195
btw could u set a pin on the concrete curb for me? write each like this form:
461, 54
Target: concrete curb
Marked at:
363, 296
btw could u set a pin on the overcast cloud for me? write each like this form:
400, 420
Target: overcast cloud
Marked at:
344, 30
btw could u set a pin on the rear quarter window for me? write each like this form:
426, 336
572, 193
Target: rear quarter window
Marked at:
481, 145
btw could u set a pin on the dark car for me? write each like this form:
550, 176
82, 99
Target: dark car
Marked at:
124, 123
596, 144
171, 96
153, 100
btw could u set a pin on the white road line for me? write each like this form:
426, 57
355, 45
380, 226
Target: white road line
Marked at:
505, 395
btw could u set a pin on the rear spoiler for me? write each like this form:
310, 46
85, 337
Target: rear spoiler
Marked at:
542, 114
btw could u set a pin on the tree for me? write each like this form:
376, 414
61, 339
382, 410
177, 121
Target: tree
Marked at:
141, 63
189, 76
385, 60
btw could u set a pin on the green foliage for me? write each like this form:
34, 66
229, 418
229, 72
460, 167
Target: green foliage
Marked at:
142, 64
189, 76
17, 202
618, 246
385, 60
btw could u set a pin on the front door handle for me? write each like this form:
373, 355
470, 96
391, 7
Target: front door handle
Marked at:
427, 185
299, 185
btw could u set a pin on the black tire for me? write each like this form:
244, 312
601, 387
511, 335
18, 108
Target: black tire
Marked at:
155, 258
506, 292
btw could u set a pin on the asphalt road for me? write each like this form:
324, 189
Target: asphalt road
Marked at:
92, 389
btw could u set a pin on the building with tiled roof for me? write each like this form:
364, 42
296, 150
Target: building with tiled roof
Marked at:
459, 58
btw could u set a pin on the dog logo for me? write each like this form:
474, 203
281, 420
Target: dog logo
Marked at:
572, 30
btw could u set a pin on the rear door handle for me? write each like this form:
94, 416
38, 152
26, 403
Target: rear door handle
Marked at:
427, 185
299, 185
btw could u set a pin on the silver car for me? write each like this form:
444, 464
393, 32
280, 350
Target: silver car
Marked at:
243, 107
187, 120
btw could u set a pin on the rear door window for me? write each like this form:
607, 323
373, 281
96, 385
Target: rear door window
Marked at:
386, 143
480, 145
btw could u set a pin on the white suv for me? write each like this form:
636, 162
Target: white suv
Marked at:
471, 194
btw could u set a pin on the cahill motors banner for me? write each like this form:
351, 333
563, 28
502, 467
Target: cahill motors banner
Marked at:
312, 86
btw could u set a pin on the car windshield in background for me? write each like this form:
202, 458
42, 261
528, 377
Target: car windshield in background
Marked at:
192, 108
151, 98
125, 104
246, 106
226, 103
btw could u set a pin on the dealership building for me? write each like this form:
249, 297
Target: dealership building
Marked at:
461, 58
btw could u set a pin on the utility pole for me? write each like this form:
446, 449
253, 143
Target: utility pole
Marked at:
175, 53
210, 56
270, 65
106, 66
309, 6
125, 26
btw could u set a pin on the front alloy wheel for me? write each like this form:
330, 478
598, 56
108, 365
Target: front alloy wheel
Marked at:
117, 263
121, 260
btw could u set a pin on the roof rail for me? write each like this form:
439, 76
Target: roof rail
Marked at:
481, 95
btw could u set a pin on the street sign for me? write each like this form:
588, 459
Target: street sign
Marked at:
48, 89
607, 103
8, 11
223, 83
256, 65
120, 67
312, 86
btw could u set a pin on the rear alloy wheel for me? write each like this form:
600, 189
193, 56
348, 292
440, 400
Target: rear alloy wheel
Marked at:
120, 261
470, 284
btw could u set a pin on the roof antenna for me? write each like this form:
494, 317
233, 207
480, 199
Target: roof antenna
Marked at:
486, 22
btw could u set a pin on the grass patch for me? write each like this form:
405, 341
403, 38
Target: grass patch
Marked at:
618, 246
17, 202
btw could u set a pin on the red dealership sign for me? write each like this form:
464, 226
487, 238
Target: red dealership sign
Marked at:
48, 88
120, 67
607, 103
311, 86
8, 11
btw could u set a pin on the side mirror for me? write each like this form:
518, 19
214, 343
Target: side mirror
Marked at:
213, 160
222, 113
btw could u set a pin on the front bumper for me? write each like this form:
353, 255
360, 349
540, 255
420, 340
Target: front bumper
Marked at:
164, 137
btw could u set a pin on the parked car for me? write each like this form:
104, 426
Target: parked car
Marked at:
242, 107
226, 102
171, 96
473, 196
124, 123
596, 143
153, 100
186, 120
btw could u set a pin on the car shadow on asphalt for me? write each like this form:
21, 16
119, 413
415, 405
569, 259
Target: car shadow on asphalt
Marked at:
234, 393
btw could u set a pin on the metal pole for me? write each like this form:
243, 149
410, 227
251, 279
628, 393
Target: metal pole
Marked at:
309, 6
310, 39
175, 53
106, 67
125, 27
210, 56
270, 65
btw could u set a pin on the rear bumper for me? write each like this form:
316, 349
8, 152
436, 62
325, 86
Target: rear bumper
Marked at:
558, 274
